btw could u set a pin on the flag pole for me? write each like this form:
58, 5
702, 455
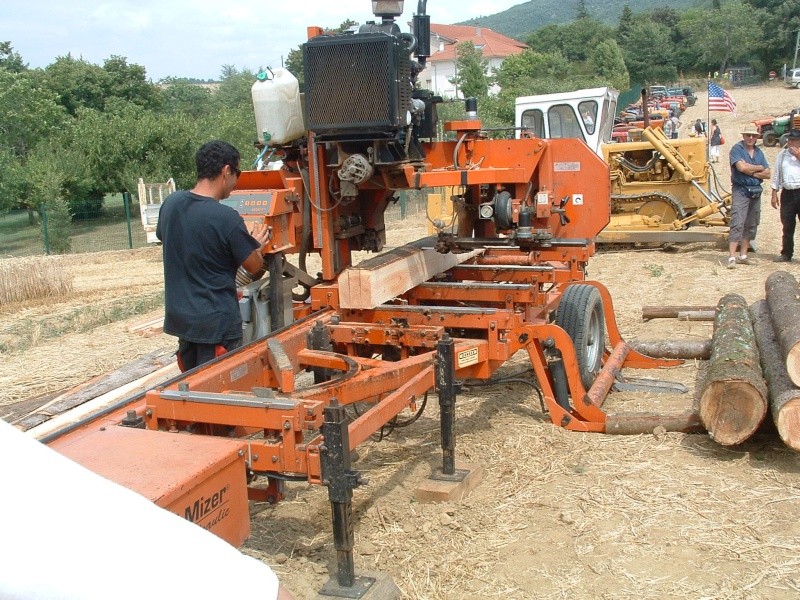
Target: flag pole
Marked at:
708, 113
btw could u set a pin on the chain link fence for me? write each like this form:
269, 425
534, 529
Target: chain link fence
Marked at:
115, 225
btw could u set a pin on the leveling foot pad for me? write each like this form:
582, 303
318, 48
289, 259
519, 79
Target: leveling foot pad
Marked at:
369, 585
444, 488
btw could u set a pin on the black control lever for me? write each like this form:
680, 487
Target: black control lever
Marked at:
562, 213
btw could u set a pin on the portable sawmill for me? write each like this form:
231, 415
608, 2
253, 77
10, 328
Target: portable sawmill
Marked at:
382, 334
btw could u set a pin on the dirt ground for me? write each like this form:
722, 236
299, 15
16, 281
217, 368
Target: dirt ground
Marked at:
558, 514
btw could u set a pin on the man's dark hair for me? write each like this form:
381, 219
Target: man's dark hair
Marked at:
212, 157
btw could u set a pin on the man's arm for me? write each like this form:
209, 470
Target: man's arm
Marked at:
758, 171
253, 263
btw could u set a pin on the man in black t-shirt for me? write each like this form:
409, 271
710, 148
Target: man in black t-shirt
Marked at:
204, 243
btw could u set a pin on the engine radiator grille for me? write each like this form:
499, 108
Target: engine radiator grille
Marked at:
356, 84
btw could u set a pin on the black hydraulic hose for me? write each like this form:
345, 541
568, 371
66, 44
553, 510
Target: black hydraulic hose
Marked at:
305, 241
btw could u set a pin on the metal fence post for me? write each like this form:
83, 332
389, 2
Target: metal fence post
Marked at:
44, 228
126, 200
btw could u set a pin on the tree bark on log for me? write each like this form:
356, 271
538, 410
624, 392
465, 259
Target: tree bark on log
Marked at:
733, 401
700, 349
677, 312
783, 298
636, 423
784, 396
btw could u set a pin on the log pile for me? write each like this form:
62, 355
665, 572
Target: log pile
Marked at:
755, 365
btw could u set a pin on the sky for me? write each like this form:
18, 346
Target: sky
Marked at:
183, 38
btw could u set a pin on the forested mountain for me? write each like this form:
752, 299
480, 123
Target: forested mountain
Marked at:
520, 20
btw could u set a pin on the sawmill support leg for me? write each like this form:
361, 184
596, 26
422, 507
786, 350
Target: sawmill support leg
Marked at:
445, 381
448, 483
340, 480
446, 385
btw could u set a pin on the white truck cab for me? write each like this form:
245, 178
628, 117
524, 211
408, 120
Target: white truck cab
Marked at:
792, 78
587, 115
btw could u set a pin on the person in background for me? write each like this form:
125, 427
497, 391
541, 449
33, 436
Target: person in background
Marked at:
786, 192
667, 126
749, 168
204, 244
676, 126
714, 141
699, 128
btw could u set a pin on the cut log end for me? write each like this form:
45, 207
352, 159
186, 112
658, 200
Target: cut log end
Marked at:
788, 423
732, 411
793, 364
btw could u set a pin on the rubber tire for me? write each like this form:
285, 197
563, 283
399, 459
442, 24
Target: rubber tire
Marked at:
783, 139
580, 314
769, 138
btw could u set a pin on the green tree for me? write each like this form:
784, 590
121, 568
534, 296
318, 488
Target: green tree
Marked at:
649, 52
129, 82
779, 21
471, 67
77, 83
179, 96
721, 36
45, 180
624, 26
10, 60
607, 62
581, 12
294, 64
572, 40
29, 115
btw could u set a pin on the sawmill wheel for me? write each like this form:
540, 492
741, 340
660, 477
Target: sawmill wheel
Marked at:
580, 314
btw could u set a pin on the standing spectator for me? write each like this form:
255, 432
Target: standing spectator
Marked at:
204, 244
714, 141
667, 127
676, 126
699, 128
786, 192
749, 167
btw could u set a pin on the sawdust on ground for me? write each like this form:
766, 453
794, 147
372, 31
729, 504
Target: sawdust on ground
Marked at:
558, 514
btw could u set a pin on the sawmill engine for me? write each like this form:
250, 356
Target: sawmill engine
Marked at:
361, 97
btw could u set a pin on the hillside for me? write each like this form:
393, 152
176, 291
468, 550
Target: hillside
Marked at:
520, 20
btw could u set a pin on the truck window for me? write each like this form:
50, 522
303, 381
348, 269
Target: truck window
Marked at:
588, 111
563, 122
533, 121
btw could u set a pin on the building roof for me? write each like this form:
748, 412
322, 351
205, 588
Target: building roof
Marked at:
493, 45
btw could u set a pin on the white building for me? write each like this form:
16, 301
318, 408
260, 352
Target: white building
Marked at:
441, 66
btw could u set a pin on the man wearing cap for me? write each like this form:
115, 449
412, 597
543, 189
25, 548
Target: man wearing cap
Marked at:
786, 180
749, 168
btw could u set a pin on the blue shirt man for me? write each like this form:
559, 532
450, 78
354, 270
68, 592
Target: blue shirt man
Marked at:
749, 168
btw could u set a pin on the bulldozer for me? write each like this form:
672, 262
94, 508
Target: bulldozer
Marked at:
663, 191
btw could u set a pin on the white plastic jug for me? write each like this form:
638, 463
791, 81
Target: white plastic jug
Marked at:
276, 102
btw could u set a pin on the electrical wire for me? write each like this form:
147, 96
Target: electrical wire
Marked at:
515, 378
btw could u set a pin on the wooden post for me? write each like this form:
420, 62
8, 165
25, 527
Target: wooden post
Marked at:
784, 396
733, 401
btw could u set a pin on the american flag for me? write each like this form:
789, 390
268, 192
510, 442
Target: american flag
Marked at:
719, 99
